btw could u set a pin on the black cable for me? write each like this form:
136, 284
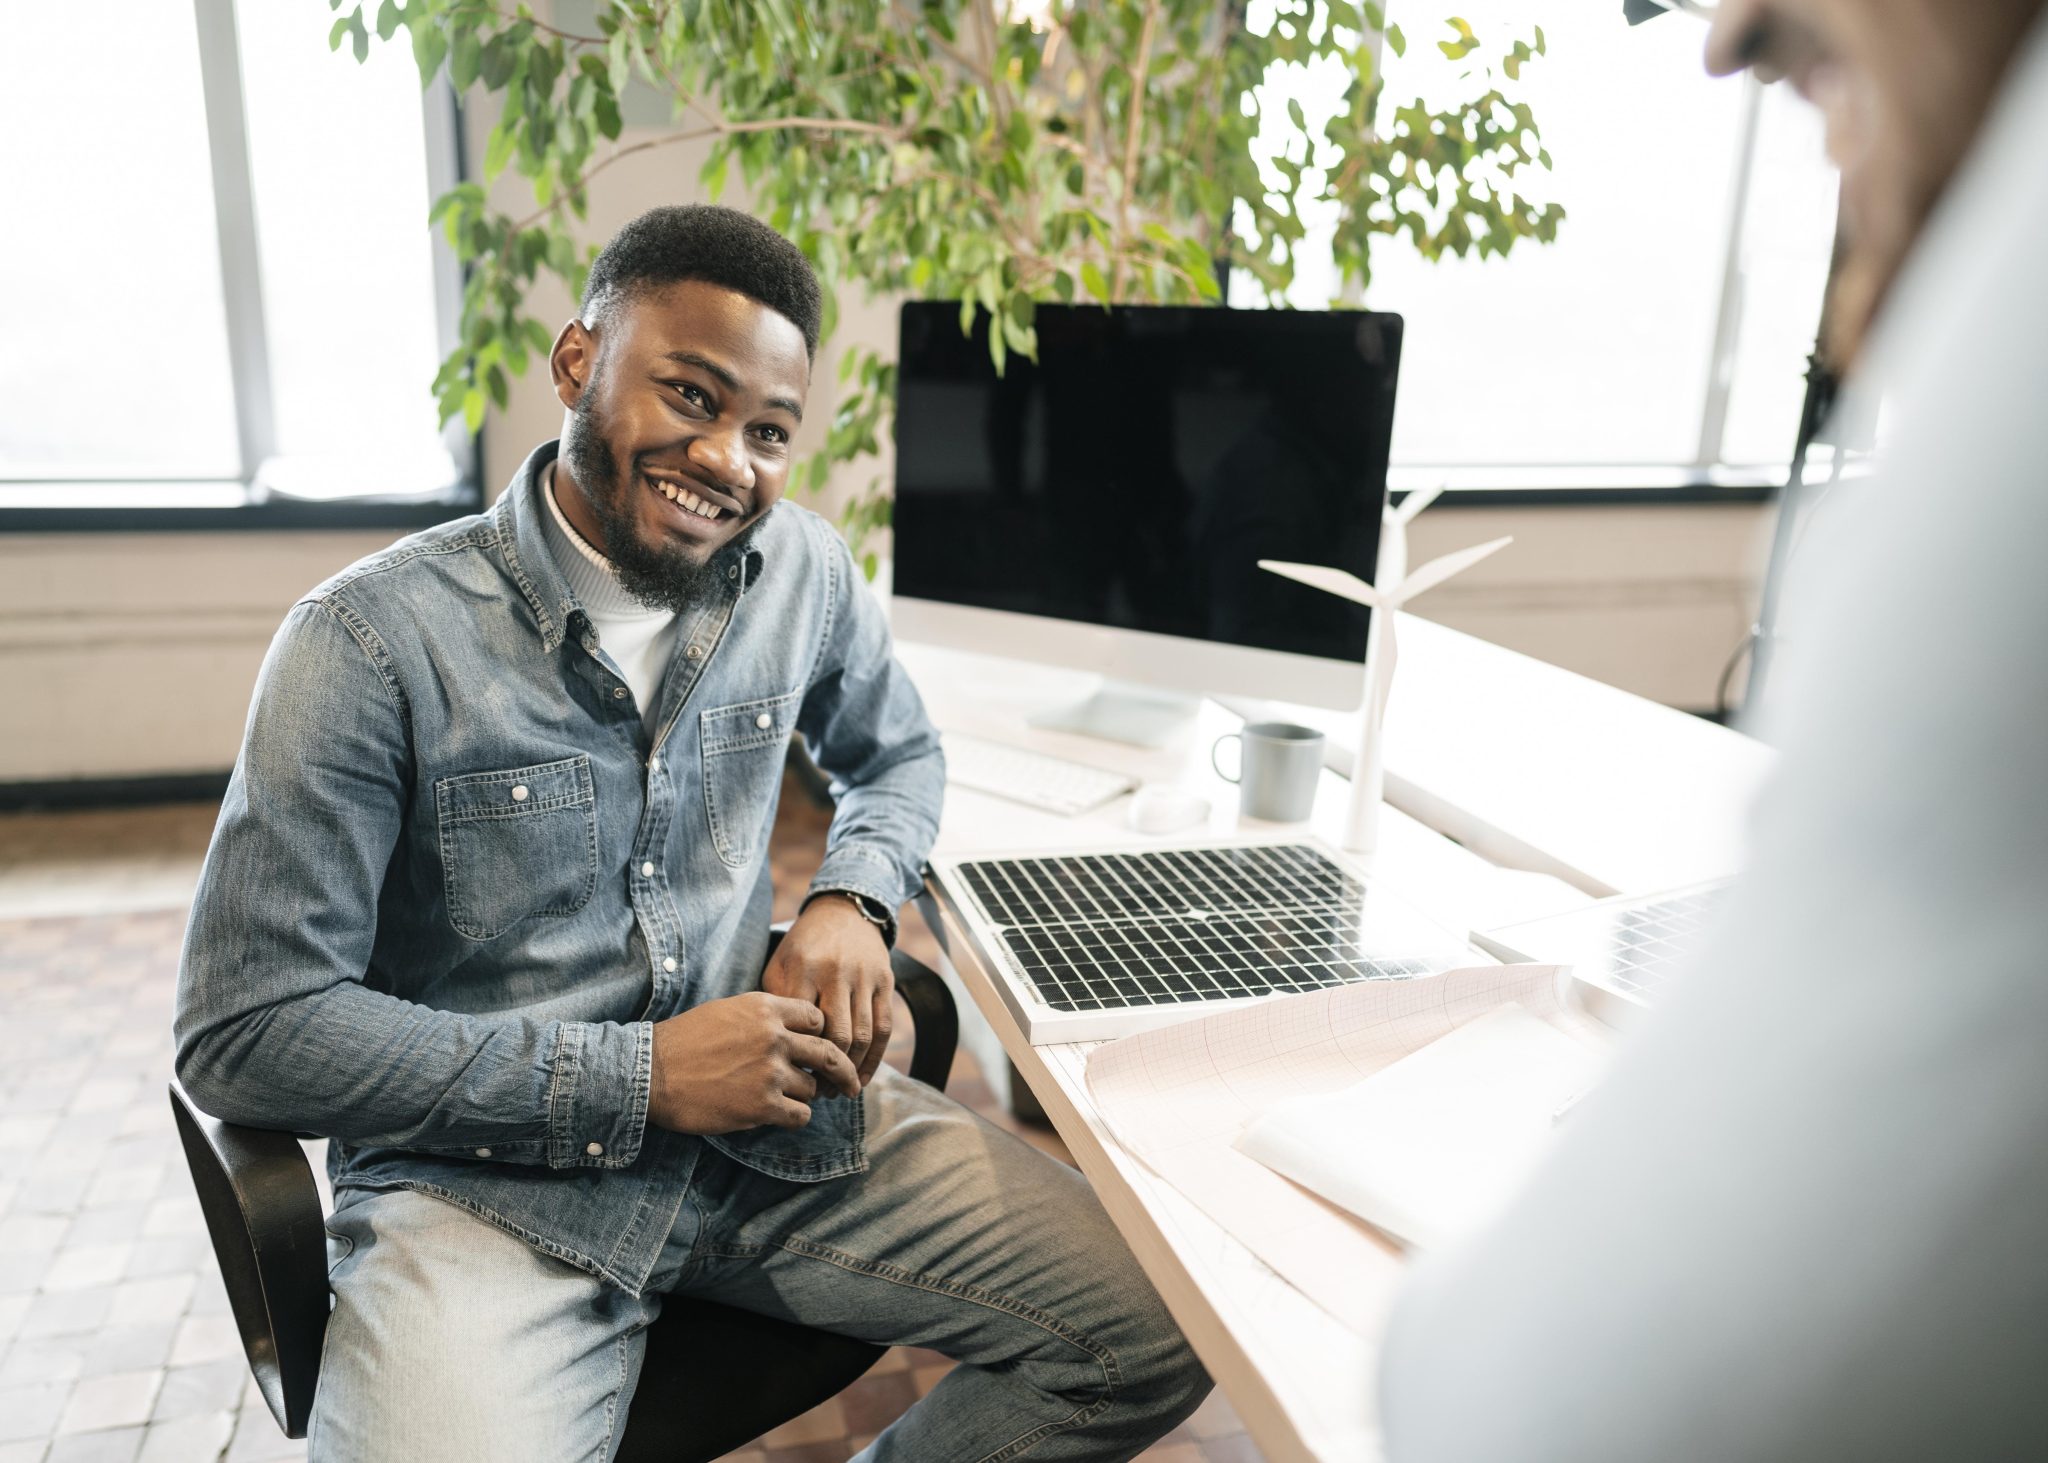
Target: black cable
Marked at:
1722, 710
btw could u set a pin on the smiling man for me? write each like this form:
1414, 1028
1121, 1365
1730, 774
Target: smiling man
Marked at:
488, 906
1805, 1218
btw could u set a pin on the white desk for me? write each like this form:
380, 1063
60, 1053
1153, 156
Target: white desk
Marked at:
1534, 767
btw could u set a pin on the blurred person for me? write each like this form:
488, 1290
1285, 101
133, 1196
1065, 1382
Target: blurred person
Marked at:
1806, 1216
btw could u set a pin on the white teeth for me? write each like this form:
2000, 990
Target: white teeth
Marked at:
687, 499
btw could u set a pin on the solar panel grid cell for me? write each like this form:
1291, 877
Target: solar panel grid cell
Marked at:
1099, 931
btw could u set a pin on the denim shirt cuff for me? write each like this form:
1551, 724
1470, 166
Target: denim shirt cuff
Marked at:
600, 1076
853, 868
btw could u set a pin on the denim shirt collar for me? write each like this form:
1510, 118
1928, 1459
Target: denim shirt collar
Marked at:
519, 517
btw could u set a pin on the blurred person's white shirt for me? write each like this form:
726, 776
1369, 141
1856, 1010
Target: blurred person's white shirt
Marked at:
1806, 1217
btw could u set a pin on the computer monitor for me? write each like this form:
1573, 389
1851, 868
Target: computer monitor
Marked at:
1106, 506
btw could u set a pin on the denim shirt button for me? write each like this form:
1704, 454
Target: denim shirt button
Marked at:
695, 652
483, 1153
647, 870
669, 964
595, 1150
519, 793
618, 693
764, 721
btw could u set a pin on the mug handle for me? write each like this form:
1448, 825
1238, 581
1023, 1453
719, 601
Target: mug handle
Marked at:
1228, 737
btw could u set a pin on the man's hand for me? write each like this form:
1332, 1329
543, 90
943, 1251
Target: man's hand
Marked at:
744, 1062
837, 961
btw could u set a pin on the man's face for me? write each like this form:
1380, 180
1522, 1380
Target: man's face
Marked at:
682, 407
1904, 86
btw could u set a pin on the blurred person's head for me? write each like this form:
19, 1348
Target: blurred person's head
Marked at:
1904, 86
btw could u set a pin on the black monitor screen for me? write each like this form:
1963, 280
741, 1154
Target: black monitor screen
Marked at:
1135, 474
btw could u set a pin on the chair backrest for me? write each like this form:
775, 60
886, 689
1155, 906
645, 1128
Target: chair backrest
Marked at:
263, 1215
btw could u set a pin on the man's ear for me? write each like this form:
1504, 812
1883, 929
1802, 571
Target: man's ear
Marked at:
573, 362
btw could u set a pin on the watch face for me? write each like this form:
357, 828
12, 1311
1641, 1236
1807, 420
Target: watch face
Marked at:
875, 914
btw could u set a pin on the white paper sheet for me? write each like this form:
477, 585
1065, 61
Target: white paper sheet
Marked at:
1428, 1149
1180, 1097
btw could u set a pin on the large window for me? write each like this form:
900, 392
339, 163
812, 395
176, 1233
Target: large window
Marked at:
219, 282
1664, 336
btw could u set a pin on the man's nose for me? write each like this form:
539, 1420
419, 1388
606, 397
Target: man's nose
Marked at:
1739, 28
720, 454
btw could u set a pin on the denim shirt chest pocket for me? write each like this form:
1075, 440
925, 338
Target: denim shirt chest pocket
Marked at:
743, 747
517, 844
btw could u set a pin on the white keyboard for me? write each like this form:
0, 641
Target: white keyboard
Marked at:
1630, 944
1051, 783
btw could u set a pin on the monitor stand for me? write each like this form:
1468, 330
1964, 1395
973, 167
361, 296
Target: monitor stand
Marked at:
1119, 711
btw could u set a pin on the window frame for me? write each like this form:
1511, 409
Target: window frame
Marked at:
150, 504
1708, 478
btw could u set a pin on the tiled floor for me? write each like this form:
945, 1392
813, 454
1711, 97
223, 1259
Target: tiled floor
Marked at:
115, 1341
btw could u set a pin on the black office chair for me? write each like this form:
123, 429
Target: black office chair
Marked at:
714, 1378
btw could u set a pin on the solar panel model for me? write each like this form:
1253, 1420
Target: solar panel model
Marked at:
1091, 946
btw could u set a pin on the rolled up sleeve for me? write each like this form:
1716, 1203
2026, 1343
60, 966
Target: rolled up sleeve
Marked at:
866, 727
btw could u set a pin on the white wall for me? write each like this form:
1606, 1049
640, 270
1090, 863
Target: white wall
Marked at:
128, 655
1653, 599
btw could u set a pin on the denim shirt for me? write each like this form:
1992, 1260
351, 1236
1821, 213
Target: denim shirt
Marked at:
456, 877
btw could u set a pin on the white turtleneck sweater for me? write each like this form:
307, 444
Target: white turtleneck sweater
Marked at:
639, 639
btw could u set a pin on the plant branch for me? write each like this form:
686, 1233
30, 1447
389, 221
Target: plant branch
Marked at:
618, 155
1134, 257
545, 28
1134, 127
815, 124
991, 44
1004, 224
720, 127
939, 43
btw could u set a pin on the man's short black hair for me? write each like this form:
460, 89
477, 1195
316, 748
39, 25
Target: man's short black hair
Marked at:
721, 246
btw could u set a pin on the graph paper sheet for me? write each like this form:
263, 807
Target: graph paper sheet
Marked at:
1178, 1098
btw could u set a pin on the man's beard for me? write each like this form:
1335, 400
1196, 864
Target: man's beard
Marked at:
661, 575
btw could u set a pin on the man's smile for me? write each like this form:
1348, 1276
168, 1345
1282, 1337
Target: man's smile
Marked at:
697, 507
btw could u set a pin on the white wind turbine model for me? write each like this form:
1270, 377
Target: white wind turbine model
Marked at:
1368, 767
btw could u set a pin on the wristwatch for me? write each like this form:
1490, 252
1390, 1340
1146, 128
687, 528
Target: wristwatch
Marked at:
871, 910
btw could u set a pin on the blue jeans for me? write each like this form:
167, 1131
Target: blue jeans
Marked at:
453, 1340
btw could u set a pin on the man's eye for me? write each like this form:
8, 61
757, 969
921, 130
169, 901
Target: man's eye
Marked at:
775, 435
694, 396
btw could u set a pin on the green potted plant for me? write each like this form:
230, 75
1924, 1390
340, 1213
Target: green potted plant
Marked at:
997, 152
